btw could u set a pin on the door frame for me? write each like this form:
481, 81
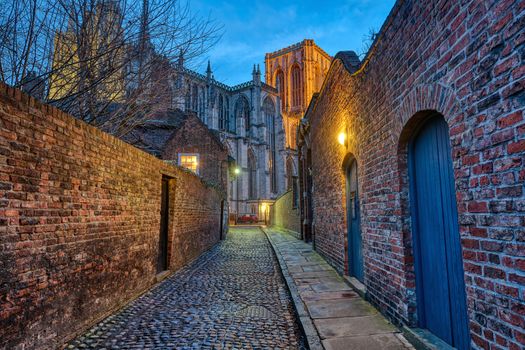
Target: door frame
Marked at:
416, 242
163, 255
348, 162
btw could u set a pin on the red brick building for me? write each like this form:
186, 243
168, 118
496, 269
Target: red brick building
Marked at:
413, 166
181, 138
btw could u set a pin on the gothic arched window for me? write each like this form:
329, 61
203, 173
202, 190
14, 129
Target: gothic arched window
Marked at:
252, 175
201, 104
269, 113
289, 173
280, 85
221, 113
227, 114
242, 111
194, 99
296, 87
187, 99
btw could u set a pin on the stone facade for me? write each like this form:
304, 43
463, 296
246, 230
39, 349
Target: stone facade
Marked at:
297, 71
464, 60
249, 124
80, 221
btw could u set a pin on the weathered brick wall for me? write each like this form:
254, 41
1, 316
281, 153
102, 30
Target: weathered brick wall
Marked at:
79, 222
284, 215
466, 60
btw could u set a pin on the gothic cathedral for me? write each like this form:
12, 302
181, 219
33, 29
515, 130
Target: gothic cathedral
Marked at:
297, 71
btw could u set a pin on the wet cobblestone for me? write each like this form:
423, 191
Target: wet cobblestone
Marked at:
232, 297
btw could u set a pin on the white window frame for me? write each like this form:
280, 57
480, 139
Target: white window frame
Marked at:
180, 155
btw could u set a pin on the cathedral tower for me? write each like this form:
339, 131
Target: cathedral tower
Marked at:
298, 72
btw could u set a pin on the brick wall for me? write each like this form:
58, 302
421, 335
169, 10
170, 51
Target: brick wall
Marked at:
464, 59
195, 137
79, 222
284, 215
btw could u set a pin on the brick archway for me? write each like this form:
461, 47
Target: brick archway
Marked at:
411, 113
423, 97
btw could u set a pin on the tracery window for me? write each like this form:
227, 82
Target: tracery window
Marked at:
221, 113
297, 100
194, 99
280, 85
242, 112
252, 176
201, 104
269, 113
227, 113
289, 173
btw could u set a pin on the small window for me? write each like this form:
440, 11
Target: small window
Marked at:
295, 192
189, 161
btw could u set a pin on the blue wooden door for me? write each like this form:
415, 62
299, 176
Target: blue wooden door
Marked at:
437, 247
355, 252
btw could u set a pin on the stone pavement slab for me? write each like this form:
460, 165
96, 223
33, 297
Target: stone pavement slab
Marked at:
336, 317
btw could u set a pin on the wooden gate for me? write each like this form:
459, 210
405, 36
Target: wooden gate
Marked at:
353, 216
440, 286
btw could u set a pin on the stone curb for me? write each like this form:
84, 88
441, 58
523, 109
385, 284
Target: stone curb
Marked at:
312, 337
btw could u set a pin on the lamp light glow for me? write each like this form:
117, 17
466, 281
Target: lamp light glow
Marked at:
237, 171
341, 138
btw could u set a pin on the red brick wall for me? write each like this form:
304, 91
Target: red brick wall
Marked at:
284, 215
195, 137
464, 59
79, 222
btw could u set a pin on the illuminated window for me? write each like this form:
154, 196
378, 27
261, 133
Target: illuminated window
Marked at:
297, 98
189, 161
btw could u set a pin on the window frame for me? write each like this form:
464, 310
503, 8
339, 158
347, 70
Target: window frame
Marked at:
179, 157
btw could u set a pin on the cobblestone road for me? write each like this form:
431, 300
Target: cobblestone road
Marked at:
232, 297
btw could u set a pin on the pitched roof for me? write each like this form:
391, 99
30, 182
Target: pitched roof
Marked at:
153, 135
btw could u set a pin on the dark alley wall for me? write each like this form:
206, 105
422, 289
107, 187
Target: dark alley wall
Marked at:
283, 214
465, 60
80, 221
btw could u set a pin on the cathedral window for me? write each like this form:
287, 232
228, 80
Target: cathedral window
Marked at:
226, 113
221, 112
201, 104
279, 84
187, 99
269, 112
252, 175
194, 99
289, 173
297, 100
242, 112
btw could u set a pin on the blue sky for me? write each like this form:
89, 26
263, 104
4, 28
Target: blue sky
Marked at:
252, 28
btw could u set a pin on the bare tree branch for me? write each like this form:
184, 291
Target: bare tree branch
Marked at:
108, 62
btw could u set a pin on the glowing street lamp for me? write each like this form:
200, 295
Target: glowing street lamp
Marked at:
237, 170
341, 138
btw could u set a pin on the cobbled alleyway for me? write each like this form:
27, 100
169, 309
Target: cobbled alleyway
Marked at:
232, 297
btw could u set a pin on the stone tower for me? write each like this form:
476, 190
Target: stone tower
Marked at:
297, 71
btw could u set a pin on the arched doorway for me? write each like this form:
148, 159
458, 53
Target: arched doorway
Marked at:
440, 286
353, 219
